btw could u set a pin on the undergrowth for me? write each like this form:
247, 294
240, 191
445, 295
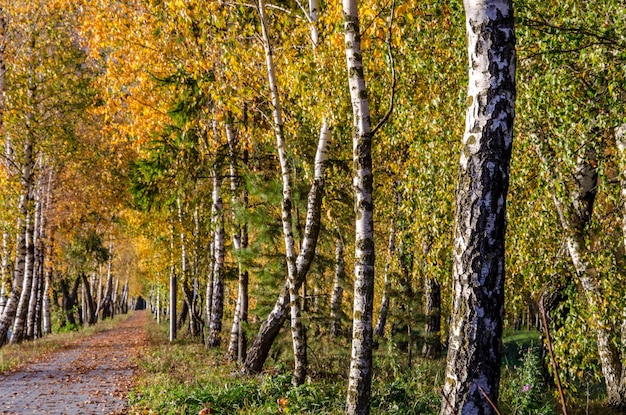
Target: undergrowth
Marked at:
186, 378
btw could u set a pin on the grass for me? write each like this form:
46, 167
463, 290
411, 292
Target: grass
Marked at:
14, 356
186, 378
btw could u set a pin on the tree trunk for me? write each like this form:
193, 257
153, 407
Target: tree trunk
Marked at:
338, 283
475, 342
620, 139
106, 306
217, 220
4, 273
21, 314
45, 305
360, 376
90, 311
34, 300
172, 311
297, 328
432, 310
385, 301
236, 346
258, 352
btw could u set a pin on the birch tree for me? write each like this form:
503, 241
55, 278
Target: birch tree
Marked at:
474, 353
360, 375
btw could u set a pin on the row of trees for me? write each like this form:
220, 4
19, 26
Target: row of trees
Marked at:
231, 125
57, 198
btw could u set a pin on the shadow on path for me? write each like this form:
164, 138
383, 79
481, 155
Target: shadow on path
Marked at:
91, 376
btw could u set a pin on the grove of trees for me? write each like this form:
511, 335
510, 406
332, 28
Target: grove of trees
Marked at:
424, 175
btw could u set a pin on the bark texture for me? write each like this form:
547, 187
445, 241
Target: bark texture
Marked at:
217, 222
474, 354
338, 283
237, 343
297, 328
360, 375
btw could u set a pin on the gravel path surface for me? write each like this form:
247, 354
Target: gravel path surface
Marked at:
91, 376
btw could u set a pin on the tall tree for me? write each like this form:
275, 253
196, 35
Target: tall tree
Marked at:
474, 354
360, 376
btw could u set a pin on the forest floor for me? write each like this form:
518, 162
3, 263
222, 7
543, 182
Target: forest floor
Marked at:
91, 375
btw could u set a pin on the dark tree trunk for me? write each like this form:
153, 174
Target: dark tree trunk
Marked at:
432, 310
91, 306
475, 342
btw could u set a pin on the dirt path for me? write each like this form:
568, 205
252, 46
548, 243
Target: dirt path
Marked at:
91, 376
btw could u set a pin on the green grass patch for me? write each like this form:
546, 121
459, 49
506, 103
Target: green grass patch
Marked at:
186, 378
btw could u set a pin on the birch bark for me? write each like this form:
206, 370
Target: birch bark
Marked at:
474, 353
297, 329
258, 352
217, 305
236, 345
360, 375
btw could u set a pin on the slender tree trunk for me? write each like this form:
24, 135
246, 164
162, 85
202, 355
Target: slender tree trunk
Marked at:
338, 283
31, 317
217, 220
474, 354
258, 352
21, 314
297, 328
125, 298
90, 311
620, 139
241, 308
173, 289
107, 300
432, 310
574, 218
385, 301
5, 272
46, 317
360, 376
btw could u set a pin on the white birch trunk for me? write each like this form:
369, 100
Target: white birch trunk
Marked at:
31, 320
5, 272
217, 220
258, 352
474, 353
360, 375
19, 324
620, 139
297, 328
3, 69
173, 289
240, 316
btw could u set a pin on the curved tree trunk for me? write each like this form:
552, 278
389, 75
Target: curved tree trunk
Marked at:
474, 354
258, 352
